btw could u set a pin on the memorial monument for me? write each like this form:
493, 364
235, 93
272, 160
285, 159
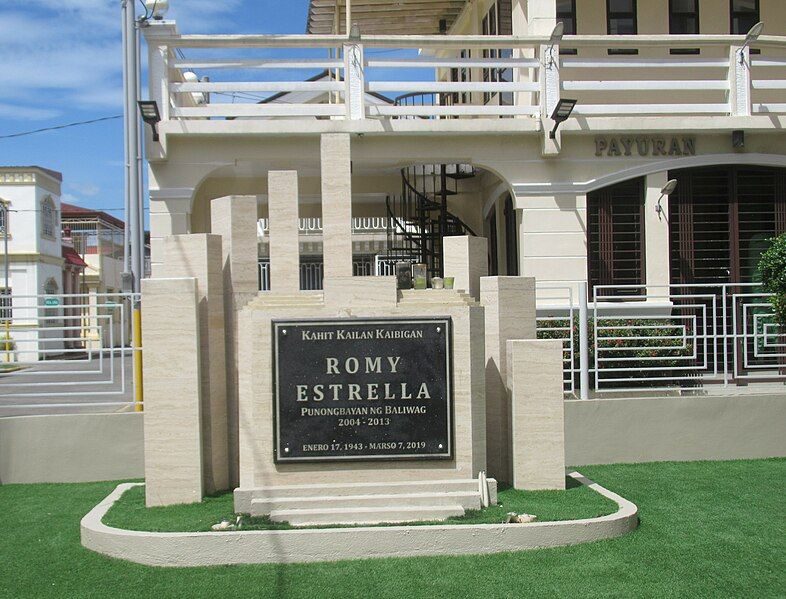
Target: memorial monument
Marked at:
361, 403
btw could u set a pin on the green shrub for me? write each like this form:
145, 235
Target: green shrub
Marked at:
772, 267
652, 352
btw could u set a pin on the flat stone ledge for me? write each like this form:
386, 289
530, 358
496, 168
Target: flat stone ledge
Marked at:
189, 549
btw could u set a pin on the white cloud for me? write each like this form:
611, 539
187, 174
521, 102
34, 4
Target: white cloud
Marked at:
16, 111
59, 54
85, 189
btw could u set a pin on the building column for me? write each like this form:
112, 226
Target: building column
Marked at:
553, 242
173, 432
170, 214
336, 205
200, 256
537, 413
465, 258
234, 218
282, 198
656, 235
509, 307
541, 17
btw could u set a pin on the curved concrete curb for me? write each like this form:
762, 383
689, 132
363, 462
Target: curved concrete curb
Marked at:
186, 549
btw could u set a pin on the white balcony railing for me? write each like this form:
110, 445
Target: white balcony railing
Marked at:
334, 77
313, 225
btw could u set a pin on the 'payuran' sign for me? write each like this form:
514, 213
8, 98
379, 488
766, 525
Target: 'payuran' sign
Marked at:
362, 389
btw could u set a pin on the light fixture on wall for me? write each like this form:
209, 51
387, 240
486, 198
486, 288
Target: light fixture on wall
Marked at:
156, 8
750, 38
556, 38
557, 33
354, 32
667, 190
150, 114
562, 112
738, 139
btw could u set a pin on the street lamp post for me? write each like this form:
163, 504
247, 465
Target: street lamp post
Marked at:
7, 319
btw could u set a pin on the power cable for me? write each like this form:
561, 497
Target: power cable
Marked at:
65, 126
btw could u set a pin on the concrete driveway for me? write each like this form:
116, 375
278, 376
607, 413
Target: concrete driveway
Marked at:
78, 386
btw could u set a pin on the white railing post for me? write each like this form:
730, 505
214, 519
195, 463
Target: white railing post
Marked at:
583, 342
549, 87
739, 81
549, 94
354, 93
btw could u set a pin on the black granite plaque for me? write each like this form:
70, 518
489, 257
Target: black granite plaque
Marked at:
362, 389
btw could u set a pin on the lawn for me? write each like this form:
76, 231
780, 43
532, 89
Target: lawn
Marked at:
577, 502
708, 529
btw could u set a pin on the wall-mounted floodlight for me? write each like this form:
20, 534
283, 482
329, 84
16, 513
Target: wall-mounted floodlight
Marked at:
667, 190
751, 38
149, 111
156, 8
561, 113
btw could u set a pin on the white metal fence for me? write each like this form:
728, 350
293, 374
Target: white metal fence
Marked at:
313, 225
66, 353
311, 271
665, 339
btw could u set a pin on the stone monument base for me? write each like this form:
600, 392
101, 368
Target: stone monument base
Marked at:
187, 549
364, 503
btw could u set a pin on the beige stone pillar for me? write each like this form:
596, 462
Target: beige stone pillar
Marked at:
173, 433
509, 305
234, 218
336, 205
466, 259
656, 236
282, 201
200, 256
170, 214
538, 413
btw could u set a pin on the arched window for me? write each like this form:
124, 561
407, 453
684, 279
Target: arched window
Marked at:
48, 219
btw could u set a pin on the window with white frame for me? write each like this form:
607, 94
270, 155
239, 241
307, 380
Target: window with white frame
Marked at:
566, 14
3, 216
621, 19
5, 304
48, 217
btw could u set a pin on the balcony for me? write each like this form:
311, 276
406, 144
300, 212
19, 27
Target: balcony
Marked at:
273, 83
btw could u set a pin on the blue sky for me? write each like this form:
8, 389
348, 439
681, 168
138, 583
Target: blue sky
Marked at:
62, 63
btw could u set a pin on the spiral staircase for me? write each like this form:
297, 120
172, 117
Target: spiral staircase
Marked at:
419, 218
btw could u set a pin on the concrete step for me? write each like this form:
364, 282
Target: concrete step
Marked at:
466, 499
387, 488
374, 515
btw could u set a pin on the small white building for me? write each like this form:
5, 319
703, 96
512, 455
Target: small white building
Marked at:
31, 224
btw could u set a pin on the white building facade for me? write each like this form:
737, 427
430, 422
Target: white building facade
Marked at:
468, 144
31, 197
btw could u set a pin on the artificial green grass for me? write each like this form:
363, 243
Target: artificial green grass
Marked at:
708, 529
130, 511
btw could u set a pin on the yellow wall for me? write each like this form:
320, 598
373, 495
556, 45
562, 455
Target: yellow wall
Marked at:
653, 16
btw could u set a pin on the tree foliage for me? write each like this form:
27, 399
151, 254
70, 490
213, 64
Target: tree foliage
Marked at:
773, 275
